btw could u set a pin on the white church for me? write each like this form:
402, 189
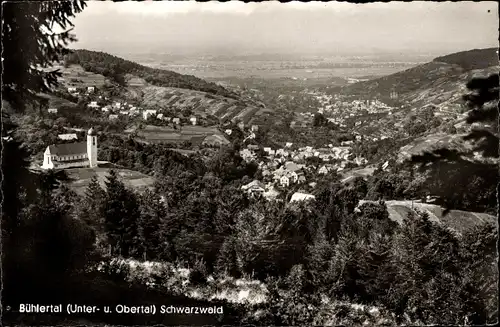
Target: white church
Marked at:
82, 154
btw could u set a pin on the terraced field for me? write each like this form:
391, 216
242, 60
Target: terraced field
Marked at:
165, 98
225, 109
76, 76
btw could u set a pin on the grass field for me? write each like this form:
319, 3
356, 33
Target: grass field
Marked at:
169, 135
76, 76
80, 178
456, 219
433, 142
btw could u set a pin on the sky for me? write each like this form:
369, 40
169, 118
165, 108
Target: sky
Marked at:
181, 27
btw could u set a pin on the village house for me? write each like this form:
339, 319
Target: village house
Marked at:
90, 89
82, 154
254, 128
299, 197
284, 181
193, 121
71, 89
254, 189
247, 155
147, 113
385, 165
52, 110
282, 152
67, 137
228, 131
113, 117
288, 144
323, 170
93, 104
176, 121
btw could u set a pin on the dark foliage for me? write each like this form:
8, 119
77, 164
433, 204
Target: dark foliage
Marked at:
472, 59
26, 44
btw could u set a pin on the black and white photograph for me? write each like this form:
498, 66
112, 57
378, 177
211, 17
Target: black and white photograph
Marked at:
184, 163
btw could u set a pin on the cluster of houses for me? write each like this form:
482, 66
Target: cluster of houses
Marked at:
118, 109
287, 166
74, 91
257, 189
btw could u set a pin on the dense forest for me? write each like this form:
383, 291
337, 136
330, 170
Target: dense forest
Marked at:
472, 59
116, 68
327, 248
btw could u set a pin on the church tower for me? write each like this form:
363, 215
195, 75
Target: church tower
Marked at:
92, 147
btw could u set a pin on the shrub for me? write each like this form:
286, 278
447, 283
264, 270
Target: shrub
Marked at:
199, 273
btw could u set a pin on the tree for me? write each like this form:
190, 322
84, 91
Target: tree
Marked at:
227, 260
121, 212
319, 120
480, 273
31, 45
152, 212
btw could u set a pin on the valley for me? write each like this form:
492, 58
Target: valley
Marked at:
257, 154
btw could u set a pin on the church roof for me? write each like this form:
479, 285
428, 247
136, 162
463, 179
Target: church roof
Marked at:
68, 149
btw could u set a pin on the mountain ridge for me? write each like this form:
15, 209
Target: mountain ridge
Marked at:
439, 72
164, 89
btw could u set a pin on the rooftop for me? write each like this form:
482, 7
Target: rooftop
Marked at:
68, 149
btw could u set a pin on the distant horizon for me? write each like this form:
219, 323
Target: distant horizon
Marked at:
334, 28
326, 55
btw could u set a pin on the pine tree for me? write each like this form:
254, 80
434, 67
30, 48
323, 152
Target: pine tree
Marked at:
93, 201
121, 212
375, 267
227, 260
152, 213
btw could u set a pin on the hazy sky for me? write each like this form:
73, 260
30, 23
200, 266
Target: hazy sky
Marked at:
334, 27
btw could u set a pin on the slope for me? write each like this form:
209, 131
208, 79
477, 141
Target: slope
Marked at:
457, 220
426, 99
440, 82
163, 89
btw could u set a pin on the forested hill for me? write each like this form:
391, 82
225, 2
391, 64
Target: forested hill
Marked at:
439, 81
115, 68
472, 59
